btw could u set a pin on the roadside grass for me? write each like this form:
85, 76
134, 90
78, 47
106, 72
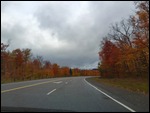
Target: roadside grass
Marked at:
4, 81
10, 80
140, 85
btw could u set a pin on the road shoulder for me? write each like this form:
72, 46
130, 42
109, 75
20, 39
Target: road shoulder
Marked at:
137, 101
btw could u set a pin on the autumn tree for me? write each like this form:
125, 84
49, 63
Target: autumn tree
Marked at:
76, 72
125, 51
109, 56
47, 68
64, 71
26, 58
140, 23
4, 59
55, 68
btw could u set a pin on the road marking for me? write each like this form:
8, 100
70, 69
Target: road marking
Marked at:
58, 82
111, 97
27, 86
66, 82
51, 91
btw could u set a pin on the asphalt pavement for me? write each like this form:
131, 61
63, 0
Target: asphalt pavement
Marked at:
59, 94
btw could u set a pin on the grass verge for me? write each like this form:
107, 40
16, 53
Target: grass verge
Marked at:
133, 84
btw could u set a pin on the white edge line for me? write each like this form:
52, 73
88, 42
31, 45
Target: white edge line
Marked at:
111, 97
51, 91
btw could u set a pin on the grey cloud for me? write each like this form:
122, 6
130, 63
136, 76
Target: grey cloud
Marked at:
52, 15
14, 35
75, 27
83, 34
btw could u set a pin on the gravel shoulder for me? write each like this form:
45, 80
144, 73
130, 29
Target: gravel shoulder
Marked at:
138, 102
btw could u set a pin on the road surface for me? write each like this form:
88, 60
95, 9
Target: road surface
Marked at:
60, 94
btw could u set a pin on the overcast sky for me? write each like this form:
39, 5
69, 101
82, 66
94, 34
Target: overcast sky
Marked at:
67, 33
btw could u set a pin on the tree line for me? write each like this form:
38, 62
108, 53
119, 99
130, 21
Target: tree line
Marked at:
20, 65
124, 52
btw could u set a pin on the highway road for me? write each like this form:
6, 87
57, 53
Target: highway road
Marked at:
60, 94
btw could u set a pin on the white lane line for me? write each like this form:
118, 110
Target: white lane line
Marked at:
51, 91
111, 97
58, 82
21, 87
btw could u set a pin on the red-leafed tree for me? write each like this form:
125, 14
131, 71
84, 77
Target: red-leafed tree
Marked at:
109, 56
125, 52
55, 68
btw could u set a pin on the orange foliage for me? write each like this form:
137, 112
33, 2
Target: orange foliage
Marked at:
126, 52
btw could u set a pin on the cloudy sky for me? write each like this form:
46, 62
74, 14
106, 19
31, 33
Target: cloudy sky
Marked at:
67, 33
